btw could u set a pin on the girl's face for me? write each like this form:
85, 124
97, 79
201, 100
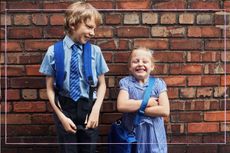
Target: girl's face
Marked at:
84, 31
141, 65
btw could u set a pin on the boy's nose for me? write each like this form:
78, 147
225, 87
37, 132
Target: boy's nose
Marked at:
92, 33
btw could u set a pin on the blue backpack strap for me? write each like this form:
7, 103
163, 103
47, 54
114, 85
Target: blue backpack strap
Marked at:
87, 57
144, 103
59, 63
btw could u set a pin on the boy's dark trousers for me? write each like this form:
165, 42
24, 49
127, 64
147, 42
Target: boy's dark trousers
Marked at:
77, 112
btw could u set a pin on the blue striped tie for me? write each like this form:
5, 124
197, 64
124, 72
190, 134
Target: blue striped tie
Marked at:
75, 91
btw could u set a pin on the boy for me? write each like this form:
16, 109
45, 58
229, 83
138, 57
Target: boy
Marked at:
74, 109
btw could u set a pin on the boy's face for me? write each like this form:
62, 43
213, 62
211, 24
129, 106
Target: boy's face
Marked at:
84, 31
141, 65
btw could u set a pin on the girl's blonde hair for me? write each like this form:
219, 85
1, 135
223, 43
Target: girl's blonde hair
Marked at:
143, 49
79, 12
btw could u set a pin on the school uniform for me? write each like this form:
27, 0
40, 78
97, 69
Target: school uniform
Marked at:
150, 133
75, 110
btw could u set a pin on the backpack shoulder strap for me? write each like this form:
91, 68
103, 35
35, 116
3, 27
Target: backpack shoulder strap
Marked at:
59, 63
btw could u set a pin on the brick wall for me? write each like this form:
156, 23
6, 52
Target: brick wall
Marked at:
189, 46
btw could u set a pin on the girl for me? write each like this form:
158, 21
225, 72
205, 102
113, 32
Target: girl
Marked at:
150, 133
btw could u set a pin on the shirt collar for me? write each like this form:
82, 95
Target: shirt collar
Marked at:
136, 83
69, 42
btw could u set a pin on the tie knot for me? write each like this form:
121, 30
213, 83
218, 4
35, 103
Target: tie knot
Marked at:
75, 47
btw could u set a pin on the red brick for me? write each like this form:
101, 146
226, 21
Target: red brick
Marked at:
29, 107
121, 57
110, 117
169, 56
13, 71
186, 117
34, 45
23, 5
223, 79
175, 4
102, 4
56, 5
214, 138
202, 149
175, 80
194, 81
203, 127
27, 130
33, 70
227, 5
108, 56
210, 81
54, 32
113, 19
108, 107
144, 4
107, 45
104, 32
204, 32
30, 58
217, 116
17, 119
186, 44
197, 4
6, 107
26, 32
151, 43
138, 32
27, 82
173, 93
118, 69
11, 46
210, 56
13, 94
42, 119
192, 69
43, 94
57, 19
160, 69
225, 147
216, 44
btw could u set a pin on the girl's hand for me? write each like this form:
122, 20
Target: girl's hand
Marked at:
68, 125
152, 102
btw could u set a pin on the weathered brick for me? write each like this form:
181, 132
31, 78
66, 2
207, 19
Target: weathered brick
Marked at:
202, 148
119, 69
27, 130
133, 32
17, 119
29, 94
108, 56
191, 69
102, 4
56, 5
54, 32
225, 56
224, 80
220, 91
22, 19
225, 127
43, 94
29, 107
168, 31
5, 107
107, 45
204, 19
173, 93
152, 43
188, 93
149, 18
13, 70
131, 18
186, 18
216, 138
186, 117
169, 56
121, 57
110, 117
27, 82
168, 18
6, 20
13, 94
204, 92
210, 80
42, 119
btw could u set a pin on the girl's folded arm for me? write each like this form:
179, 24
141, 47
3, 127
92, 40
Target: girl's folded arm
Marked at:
162, 109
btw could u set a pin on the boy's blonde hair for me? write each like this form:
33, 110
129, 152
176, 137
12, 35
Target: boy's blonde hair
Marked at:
143, 49
79, 12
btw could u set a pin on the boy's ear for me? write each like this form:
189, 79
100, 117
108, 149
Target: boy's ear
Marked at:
72, 27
